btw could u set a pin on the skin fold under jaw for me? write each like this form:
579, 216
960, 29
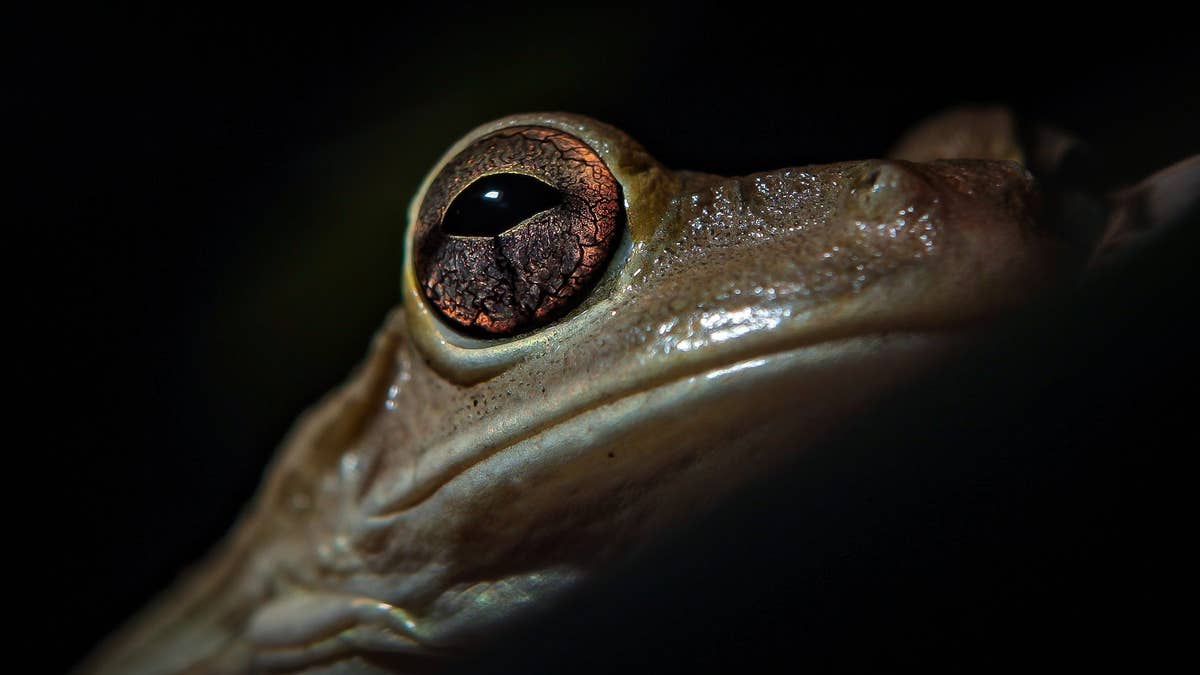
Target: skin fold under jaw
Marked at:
456, 481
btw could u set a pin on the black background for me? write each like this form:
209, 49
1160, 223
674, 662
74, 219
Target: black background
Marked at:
224, 200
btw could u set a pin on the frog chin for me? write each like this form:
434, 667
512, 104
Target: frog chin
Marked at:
592, 486
605, 483
623, 475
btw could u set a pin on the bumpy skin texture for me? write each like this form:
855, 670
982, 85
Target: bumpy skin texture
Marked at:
532, 272
454, 483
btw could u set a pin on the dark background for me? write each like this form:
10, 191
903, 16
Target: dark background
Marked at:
224, 197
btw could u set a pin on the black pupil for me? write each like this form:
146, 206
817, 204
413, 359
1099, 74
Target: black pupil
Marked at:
496, 203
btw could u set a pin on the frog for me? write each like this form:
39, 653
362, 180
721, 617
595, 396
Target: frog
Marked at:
592, 350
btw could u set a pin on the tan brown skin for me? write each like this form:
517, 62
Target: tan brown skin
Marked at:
454, 482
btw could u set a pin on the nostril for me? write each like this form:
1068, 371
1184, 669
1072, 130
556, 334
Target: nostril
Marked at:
881, 175
882, 187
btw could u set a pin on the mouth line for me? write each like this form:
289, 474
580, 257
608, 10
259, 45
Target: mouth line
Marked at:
720, 363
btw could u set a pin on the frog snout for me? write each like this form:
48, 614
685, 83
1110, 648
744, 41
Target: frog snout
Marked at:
882, 175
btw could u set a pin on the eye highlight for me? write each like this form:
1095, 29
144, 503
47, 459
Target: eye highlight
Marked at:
515, 230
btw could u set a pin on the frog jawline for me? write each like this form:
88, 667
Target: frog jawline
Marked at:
814, 350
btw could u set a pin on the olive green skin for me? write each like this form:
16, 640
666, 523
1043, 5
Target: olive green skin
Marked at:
453, 482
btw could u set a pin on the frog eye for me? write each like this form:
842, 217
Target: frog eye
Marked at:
515, 229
